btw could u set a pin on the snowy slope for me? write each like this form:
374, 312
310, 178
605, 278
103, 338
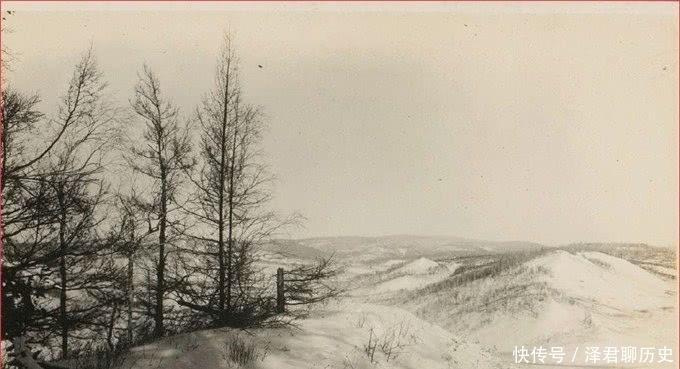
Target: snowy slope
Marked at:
560, 299
334, 337
409, 276
419, 266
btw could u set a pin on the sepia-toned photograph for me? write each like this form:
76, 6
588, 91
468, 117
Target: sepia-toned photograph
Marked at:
339, 185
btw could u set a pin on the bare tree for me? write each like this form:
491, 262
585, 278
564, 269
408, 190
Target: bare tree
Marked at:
232, 188
214, 205
52, 194
23, 211
163, 157
74, 166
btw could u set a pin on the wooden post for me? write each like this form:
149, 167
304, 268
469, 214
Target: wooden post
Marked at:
280, 298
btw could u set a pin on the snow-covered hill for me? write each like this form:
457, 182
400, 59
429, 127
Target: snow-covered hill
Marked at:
460, 311
359, 336
560, 299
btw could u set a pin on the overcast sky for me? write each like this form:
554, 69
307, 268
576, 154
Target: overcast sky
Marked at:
539, 122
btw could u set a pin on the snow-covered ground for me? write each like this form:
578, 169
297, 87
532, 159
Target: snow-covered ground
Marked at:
407, 276
566, 300
415, 313
335, 336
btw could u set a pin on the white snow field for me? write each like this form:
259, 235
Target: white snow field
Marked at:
453, 309
573, 301
334, 336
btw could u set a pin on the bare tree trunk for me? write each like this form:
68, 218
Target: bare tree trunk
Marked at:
230, 246
130, 296
220, 225
232, 174
221, 266
160, 288
63, 318
3, 148
160, 269
280, 297
148, 292
111, 325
